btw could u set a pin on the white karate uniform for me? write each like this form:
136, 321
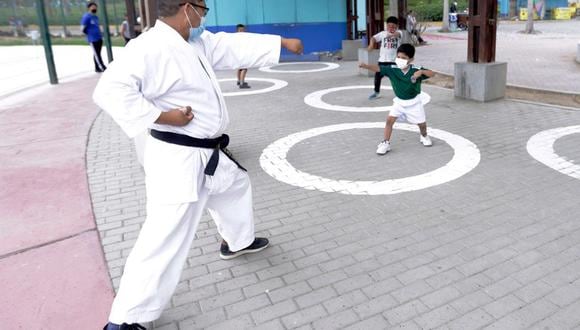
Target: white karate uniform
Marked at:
159, 71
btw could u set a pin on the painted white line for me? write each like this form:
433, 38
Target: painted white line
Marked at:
315, 100
278, 84
541, 147
273, 160
328, 67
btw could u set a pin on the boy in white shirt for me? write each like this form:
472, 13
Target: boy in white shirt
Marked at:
390, 40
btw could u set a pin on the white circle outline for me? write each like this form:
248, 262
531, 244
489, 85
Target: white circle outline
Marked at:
329, 66
315, 100
273, 161
278, 84
541, 148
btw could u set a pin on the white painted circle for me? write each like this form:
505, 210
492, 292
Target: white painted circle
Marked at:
541, 147
273, 160
328, 67
315, 100
278, 84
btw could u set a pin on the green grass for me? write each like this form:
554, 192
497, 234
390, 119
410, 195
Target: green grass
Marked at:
10, 41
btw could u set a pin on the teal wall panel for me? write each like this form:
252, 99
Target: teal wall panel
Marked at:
337, 10
279, 11
231, 12
211, 18
310, 11
255, 11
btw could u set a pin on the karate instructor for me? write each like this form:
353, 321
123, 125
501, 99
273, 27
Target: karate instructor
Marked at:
165, 81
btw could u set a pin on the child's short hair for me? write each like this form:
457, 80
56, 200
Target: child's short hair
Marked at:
407, 49
240, 26
393, 19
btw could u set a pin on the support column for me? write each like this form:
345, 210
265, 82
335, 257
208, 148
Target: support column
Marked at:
481, 78
352, 44
375, 17
107, 32
150, 14
131, 19
375, 24
45, 35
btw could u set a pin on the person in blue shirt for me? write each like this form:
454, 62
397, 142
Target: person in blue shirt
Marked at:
90, 27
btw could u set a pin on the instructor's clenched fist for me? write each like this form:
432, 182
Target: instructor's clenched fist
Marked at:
293, 45
176, 117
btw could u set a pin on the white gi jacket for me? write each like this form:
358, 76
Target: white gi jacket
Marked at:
160, 71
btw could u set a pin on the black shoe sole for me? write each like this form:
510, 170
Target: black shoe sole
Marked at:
242, 252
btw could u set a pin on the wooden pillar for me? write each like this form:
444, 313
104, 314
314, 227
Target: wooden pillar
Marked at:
351, 19
149, 13
402, 13
153, 13
481, 78
375, 17
482, 31
131, 17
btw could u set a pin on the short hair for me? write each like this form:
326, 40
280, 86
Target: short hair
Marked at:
168, 8
240, 26
407, 49
392, 19
91, 3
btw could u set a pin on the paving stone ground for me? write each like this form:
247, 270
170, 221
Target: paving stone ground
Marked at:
497, 248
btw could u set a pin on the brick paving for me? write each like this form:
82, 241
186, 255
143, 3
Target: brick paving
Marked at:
540, 61
497, 248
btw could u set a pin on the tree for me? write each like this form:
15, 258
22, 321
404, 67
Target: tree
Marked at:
445, 27
530, 23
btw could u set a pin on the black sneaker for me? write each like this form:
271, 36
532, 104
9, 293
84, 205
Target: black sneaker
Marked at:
258, 245
124, 326
245, 85
238, 83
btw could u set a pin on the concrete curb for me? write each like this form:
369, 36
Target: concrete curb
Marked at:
559, 98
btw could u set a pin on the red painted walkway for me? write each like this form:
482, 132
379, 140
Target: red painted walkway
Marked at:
52, 268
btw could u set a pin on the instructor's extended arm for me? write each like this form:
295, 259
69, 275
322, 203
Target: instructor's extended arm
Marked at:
227, 51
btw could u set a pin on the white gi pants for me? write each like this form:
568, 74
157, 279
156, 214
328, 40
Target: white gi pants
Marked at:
154, 266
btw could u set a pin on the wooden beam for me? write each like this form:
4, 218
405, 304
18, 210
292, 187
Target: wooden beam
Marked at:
375, 17
481, 39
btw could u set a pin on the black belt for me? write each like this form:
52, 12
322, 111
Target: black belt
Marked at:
217, 144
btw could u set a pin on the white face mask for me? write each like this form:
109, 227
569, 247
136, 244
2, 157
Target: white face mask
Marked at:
401, 63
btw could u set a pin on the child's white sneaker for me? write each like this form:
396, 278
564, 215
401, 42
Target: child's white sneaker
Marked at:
383, 147
425, 140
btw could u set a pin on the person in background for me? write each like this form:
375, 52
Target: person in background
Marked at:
389, 40
125, 29
453, 8
91, 28
242, 72
412, 27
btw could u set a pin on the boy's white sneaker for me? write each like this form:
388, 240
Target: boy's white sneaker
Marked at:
383, 147
426, 140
